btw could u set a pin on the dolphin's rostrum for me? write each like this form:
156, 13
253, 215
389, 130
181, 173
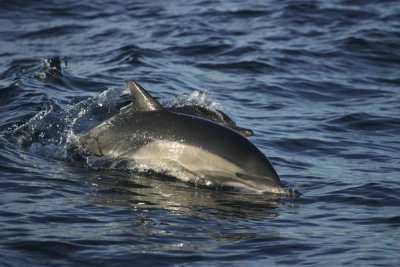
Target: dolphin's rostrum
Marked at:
166, 140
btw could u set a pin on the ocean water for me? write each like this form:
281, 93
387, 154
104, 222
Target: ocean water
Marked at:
317, 81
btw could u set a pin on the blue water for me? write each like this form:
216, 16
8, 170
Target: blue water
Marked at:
317, 81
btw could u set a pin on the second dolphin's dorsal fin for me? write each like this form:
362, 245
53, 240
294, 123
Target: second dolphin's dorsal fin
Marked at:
141, 99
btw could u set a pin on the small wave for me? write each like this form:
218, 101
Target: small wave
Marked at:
368, 194
239, 51
391, 80
55, 31
248, 13
304, 145
355, 42
7, 92
200, 49
366, 122
379, 48
393, 221
127, 54
18, 68
253, 66
48, 248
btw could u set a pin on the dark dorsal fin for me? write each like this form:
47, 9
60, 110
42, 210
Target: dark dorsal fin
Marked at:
141, 99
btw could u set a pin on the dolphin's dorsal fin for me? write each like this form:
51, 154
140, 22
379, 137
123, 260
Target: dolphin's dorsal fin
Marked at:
141, 99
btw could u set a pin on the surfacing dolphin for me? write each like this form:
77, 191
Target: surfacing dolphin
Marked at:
206, 152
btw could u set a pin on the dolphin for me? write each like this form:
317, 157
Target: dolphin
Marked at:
207, 153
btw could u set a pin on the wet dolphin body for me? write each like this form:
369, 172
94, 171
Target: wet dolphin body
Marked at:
148, 133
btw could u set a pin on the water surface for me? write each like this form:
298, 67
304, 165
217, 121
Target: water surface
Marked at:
317, 81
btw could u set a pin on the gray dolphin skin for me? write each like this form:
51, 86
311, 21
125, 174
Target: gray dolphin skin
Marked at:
206, 152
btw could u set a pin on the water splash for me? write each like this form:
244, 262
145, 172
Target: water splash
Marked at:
49, 132
196, 98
